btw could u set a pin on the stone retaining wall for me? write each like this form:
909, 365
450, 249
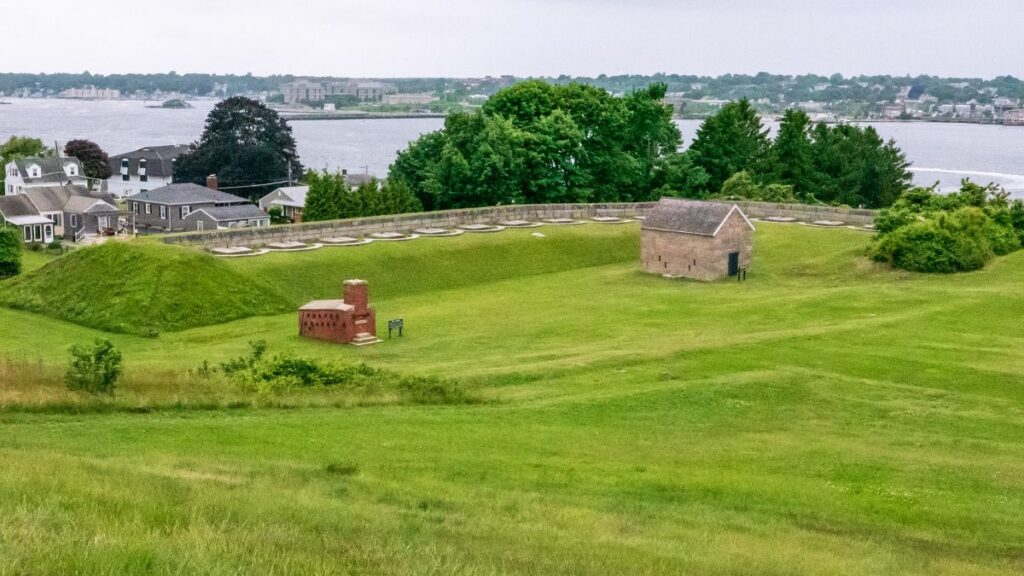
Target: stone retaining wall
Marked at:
357, 227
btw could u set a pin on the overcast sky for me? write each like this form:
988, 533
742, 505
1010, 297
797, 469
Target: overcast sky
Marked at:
378, 38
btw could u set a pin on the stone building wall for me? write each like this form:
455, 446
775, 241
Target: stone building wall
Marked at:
694, 256
307, 231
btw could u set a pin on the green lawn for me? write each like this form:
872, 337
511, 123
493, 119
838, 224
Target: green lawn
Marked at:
826, 417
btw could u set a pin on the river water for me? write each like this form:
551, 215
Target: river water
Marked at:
942, 153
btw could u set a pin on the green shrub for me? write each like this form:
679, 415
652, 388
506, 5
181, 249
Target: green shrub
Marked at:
948, 243
11, 247
925, 231
94, 370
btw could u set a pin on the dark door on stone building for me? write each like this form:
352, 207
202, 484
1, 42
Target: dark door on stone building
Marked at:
734, 263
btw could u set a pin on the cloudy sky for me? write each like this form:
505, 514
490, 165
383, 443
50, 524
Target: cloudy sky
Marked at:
521, 37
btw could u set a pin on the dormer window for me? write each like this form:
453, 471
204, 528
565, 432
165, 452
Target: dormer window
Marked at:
72, 169
142, 170
33, 171
124, 165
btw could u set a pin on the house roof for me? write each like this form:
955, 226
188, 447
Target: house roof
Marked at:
51, 169
293, 196
182, 194
16, 206
29, 220
88, 204
690, 216
358, 179
232, 213
57, 198
327, 305
159, 160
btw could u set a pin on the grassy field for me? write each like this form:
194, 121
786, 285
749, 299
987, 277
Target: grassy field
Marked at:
826, 417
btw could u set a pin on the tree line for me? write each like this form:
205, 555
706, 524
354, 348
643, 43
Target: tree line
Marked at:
542, 143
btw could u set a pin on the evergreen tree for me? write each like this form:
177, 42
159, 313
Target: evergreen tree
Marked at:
325, 197
731, 141
792, 157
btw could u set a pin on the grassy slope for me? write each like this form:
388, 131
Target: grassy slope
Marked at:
824, 417
135, 287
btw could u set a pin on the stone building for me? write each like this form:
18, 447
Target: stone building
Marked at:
693, 239
348, 321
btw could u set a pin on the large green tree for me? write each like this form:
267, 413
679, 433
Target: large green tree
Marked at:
731, 141
331, 198
94, 160
245, 143
792, 156
537, 142
855, 167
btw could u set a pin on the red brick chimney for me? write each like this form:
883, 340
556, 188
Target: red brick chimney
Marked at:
357, 294
211, 181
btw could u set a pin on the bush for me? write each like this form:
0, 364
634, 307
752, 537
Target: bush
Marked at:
94, 370
925, 231
11, 247
949, 243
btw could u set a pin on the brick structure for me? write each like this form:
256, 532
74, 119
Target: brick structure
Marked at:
692, 239
348, 321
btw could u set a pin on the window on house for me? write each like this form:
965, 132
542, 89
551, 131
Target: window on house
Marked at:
163, 212
149, 208
124, 165
135, 207
28, 233
72, 170
125, 177
74, 220
143, 177
39, 232
48, 231
185, 211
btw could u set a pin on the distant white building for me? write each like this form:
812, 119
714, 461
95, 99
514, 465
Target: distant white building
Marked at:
25, 173
142, 170
409, 99
91, 93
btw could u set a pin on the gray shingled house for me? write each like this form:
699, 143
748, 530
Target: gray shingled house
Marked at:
19, 211
25, 173
234, 216
166, 209
72, 212
693, 239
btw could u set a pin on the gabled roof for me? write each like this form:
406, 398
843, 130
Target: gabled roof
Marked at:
16, 206
159, 160
690, 216
51, 169
183, 194
88, 204
292, 196
56, 198
231, 213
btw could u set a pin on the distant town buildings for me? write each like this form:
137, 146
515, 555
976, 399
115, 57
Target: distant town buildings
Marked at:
91, 93
409, 99
305, 90
1014, 117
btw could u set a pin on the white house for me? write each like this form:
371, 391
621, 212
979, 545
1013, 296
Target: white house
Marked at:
24, 173
142, 170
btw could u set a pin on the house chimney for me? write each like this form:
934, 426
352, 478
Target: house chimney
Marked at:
211, 181
356, 294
